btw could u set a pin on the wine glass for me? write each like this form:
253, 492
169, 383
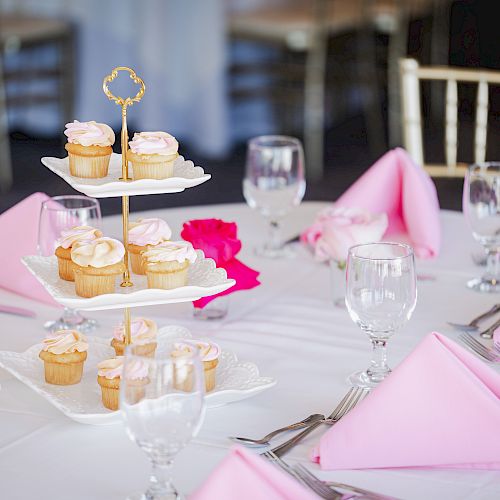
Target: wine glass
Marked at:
481, 206
274, 184
56, 215
381, 295
163, 411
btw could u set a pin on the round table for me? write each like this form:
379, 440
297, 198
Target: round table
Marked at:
287, 326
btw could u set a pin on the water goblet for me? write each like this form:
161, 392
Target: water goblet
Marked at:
56, 215
274, 184
162, 402
481, 205
381, 295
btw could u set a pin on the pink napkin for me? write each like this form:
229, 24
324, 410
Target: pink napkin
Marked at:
245, 476
439, 408
19, 227
403, 190
219, 241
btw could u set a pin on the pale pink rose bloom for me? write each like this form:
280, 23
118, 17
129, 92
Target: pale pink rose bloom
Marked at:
336, 229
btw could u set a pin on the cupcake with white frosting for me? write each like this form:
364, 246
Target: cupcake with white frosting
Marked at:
152, 155
109, 375
64, 352
209, 353
143, 335
97, 264
64, 245
142, 235
167, 264
89, 148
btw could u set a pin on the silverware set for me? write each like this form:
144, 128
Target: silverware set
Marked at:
328, 490
490, 354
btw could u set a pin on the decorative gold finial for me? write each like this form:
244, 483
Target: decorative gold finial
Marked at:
120, 100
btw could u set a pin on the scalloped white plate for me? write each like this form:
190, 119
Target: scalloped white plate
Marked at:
235, 380
204, 279
186, 175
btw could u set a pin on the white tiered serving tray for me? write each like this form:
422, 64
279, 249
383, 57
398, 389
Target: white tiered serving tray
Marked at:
186, 175
235, 380
204, 280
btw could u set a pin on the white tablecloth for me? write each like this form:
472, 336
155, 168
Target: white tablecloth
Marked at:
288, 326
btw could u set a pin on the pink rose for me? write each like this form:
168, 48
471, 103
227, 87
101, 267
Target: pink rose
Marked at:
218, 239
336, 229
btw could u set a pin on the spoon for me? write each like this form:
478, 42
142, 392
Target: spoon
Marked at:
311, 419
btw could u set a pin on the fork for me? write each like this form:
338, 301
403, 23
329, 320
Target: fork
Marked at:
314, 484
491, 355
349, 401
474, 324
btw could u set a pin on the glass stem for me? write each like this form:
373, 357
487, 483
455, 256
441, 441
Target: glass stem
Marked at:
492, 266
378, 369
160, 480
274, 235
71, 316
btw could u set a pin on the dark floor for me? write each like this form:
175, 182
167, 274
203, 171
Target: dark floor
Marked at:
347, 157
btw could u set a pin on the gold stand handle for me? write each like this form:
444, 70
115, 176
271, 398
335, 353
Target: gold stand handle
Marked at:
124, 103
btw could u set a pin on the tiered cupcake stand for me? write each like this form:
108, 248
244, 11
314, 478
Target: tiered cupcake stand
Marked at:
205, 279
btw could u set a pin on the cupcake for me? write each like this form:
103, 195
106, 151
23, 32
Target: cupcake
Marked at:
65, 244
152, 155
142, 235
143, 334
209, 354
63, 355
109, 374
97, 264
167, 264
89, 148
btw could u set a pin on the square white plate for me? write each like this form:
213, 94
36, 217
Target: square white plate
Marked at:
235, 380
204, 279
186, 175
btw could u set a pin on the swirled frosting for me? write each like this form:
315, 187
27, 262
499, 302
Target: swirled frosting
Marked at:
148, 232
209, 351
171, 251
113, 368
100, 252
159, 143
89, 133
65, 341
143, 331
78, 233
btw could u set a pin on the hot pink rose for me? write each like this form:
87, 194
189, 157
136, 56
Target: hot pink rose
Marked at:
219, 240
336, 229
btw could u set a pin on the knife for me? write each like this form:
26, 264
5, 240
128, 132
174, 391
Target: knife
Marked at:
18, 311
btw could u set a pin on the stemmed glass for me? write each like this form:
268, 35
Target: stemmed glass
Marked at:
274, 184
56, 215
481, 205
381, 295
163, 412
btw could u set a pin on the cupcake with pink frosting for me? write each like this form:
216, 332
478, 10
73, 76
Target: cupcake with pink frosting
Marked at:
142, 235
64, 245
97, 264
167, 264
143, 333
89, 148
209, 353
109, 375
63, 353
152, 155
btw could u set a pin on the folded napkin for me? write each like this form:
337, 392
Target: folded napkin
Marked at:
245, 476
439, 408
19, 227
219, 241
403, 190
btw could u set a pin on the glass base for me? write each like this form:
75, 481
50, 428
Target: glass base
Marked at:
284, 252
215, 309
146, 496
82, 325
484, 285
362, 379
